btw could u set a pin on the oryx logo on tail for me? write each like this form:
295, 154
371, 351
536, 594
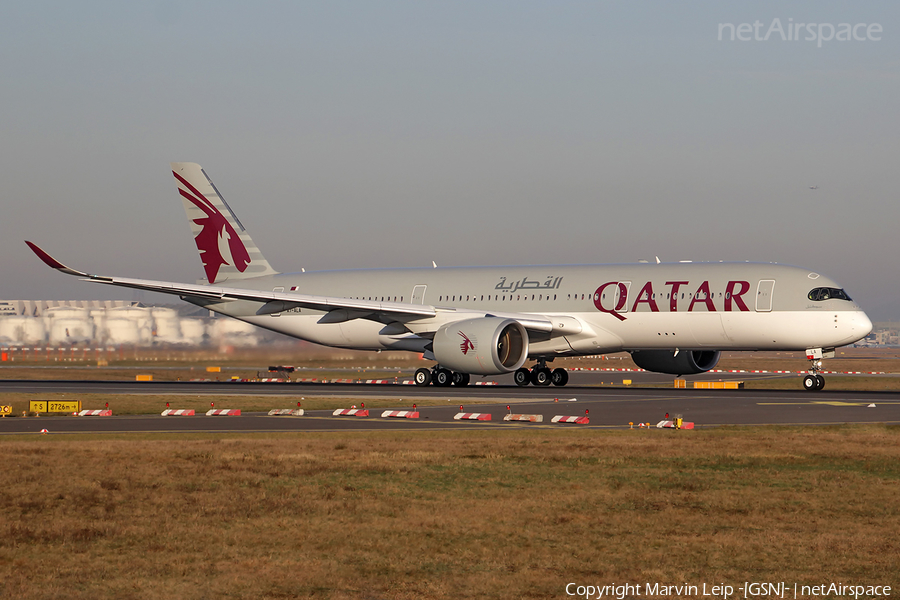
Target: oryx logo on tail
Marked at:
467, 344
218, 242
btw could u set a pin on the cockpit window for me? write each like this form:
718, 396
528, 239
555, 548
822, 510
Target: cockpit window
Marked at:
820, 294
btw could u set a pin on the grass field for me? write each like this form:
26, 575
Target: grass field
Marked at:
445, 514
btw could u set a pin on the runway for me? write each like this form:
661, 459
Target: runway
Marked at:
606, 407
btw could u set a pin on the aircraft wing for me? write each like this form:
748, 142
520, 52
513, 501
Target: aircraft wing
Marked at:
272, 302
276, 302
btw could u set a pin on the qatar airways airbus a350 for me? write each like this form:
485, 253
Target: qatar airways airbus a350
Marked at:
672, 318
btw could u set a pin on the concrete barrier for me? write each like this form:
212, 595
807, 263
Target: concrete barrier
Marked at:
223, 412
183, 412
672, 424
401, 414
472, 416
565, 419
529, 418
286, 412
351, 412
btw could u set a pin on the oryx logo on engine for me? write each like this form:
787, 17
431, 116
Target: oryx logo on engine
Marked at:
467, 344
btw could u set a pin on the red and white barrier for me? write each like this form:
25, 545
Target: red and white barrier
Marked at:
351, 412
286, 412
95, 413
389, 381
486, 383
224, 412
671, 425
185, 412
530, 418
401, 414
564, 419
472, 417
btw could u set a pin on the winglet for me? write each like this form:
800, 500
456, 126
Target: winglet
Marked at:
52, 262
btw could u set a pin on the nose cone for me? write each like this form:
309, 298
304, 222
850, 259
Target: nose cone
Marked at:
860, 326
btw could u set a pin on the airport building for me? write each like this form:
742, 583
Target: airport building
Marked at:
115, 323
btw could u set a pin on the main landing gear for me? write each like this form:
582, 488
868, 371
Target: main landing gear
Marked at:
440, 377
814, 381
541, 375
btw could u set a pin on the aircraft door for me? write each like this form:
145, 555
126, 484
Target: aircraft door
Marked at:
418, 294
764, 292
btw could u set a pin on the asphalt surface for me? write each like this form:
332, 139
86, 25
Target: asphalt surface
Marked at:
607, 407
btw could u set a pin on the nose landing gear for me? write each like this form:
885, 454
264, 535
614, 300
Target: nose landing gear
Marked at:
814, 381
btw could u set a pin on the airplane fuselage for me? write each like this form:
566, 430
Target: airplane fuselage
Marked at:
599, 308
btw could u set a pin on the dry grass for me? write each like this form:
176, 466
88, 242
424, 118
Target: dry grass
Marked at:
445, 515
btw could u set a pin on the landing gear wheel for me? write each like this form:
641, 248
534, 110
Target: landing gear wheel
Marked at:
443, 378
460, 379
559, 377
821, 381
422, 377
811, 383
540, 376
522, 377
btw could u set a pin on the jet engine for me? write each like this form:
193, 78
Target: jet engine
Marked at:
685, 362
482, 346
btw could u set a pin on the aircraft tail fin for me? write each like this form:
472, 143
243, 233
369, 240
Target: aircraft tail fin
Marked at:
226, 249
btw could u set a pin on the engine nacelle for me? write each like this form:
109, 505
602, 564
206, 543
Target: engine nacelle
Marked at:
482, 346
687, 362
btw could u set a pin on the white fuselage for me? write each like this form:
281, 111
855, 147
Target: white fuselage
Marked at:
594, 308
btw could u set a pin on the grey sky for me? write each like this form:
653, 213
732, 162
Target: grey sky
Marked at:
377, 134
